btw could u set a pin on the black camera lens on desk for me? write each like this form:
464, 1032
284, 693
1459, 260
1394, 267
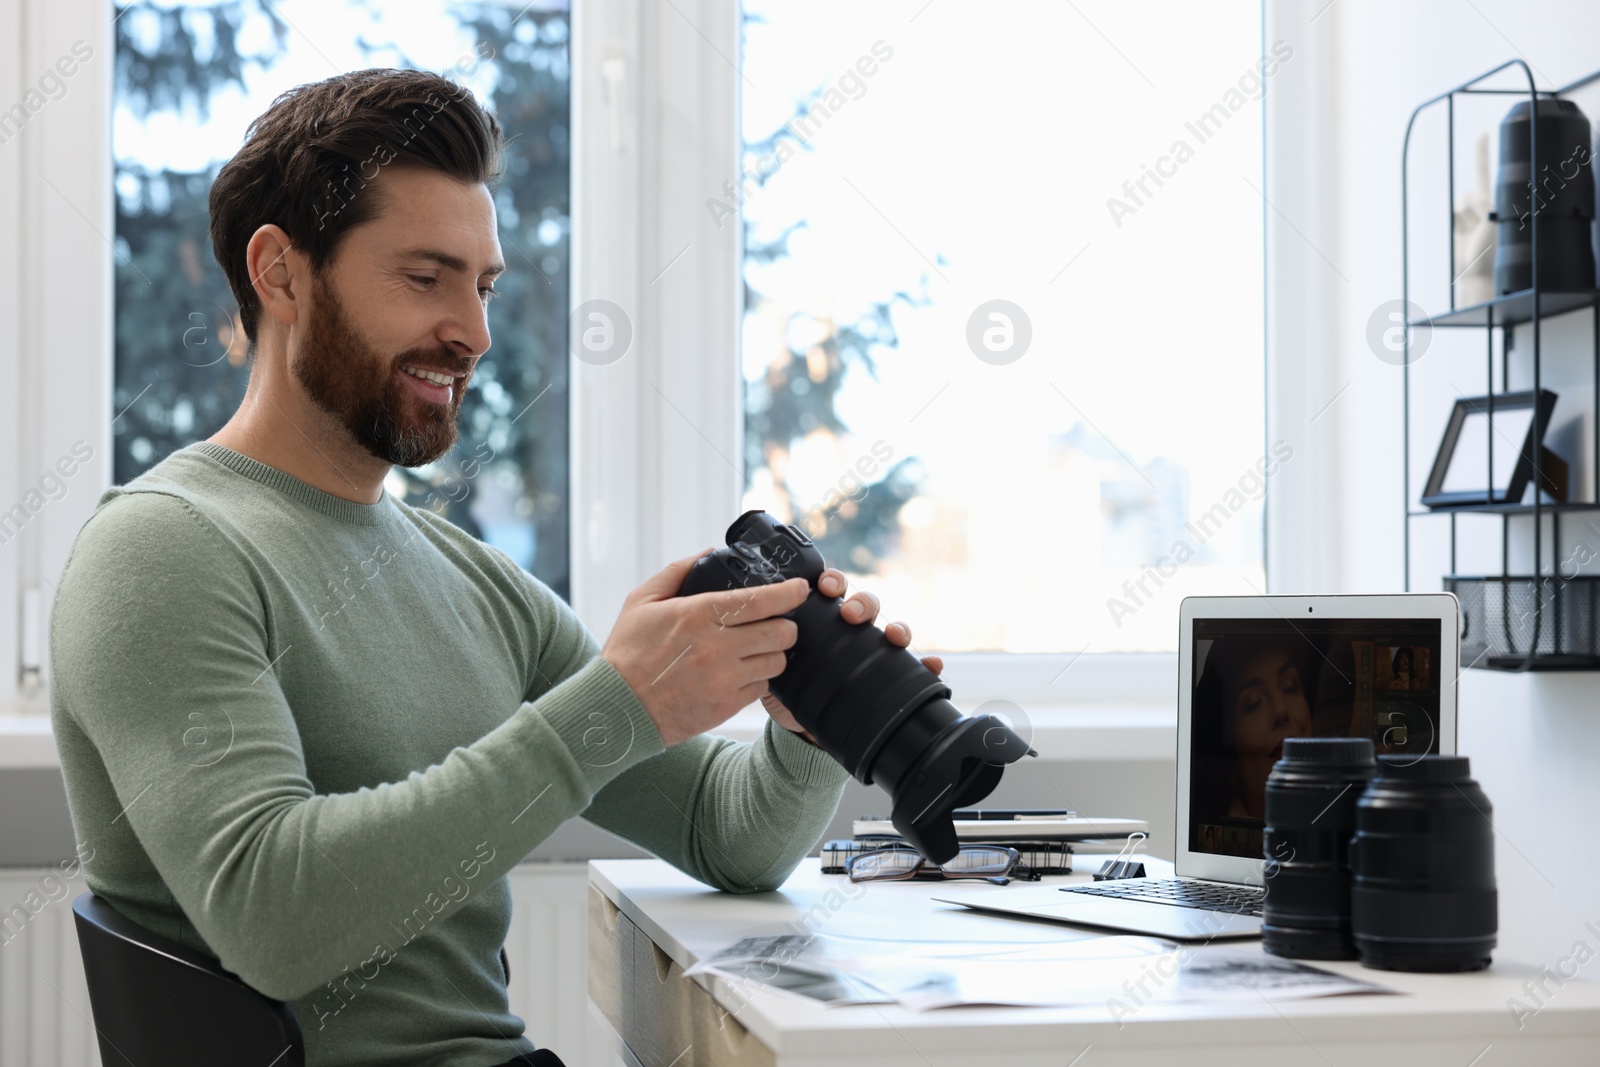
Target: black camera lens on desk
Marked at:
870, 705
1423, 896
1310, 815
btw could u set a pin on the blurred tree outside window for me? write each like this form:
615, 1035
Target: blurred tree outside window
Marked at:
190, 78
1021, 403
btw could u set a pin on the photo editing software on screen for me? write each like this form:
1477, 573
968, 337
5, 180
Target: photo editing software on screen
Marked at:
1258, 681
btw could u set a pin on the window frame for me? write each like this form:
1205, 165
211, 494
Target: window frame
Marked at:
656, 436
56, 277
656, 433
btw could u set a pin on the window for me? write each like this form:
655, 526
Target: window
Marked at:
190, 77
1002, 341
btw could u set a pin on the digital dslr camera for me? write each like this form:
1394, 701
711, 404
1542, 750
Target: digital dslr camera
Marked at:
870, 705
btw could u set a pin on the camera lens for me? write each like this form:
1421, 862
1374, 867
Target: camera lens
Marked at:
1310, 814
870, 705
1423, 893
1566, 208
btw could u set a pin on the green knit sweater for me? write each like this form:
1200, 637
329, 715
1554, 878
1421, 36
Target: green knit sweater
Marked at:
309, 737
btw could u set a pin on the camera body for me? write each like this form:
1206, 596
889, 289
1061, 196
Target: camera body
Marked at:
869, 704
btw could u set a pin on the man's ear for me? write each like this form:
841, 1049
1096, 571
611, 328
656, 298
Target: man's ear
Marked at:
276, 268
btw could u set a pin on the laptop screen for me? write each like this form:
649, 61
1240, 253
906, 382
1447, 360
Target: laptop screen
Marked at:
1258, 681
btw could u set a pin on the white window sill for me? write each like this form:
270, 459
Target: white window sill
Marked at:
1075, 733
26, 741
1065, 733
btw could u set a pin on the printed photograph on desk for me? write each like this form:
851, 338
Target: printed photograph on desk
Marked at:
796, 964
1258, 681
1120, 973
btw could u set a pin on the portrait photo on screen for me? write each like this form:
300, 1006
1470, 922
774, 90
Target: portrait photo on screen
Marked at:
1259, 681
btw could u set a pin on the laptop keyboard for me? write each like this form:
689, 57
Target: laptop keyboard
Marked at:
1180, 892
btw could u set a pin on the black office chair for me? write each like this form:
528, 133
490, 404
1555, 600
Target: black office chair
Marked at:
156, 1002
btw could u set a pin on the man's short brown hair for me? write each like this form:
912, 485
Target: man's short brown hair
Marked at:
308, 163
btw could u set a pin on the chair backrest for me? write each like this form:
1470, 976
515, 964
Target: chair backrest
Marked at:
157, 1002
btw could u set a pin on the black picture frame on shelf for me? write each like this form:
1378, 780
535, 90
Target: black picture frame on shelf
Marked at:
1461, 467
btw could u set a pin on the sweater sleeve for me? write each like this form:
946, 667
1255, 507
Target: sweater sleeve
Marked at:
738, 816
158, 623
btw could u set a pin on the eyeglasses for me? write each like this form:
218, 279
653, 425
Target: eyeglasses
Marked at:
997, 865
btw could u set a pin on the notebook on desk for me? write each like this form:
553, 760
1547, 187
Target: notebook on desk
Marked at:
1071, 827
1252, 671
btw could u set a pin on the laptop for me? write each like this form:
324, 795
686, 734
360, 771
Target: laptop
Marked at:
1252, 671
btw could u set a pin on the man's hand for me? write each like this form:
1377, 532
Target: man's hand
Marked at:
862, 608
694, 661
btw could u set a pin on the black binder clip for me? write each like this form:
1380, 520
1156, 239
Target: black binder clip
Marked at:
1124, 866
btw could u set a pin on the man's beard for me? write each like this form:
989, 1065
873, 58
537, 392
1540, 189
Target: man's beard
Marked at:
350, 380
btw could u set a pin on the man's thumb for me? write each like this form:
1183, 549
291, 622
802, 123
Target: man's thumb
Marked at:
666, 582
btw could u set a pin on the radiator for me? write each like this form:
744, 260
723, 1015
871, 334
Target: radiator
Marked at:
44, 1005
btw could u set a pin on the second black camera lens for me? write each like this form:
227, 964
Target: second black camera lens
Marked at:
1423, 896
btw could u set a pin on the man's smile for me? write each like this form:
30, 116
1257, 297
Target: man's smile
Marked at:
435, 386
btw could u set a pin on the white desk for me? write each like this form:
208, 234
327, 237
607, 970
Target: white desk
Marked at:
648, 922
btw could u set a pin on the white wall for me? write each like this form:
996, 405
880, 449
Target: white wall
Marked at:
1534, 740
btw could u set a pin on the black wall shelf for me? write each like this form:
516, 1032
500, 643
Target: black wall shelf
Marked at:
1504, 509
1513, 309
1544, 620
